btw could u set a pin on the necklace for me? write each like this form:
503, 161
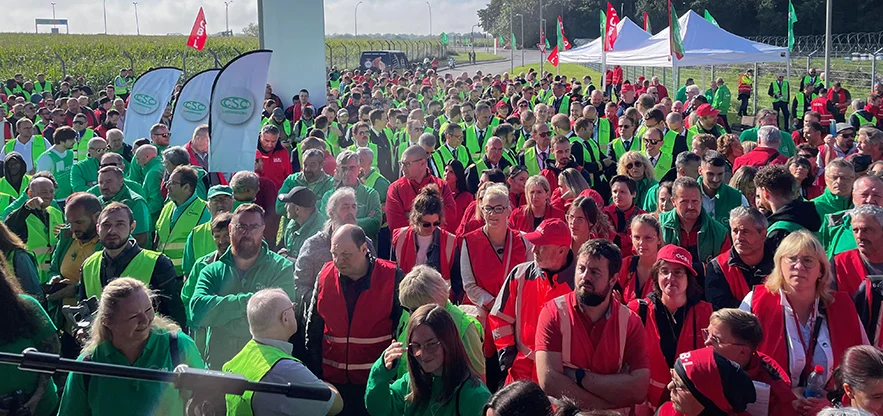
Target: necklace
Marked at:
672, 320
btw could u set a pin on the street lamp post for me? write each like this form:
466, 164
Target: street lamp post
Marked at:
512, 44
542, 37
227, 13
105, 17
430, 17
356, 19
522, 37
53, 15
137, 27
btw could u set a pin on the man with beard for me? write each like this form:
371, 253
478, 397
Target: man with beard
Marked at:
109, 123
851, 267
346, 175
180, 216
112, 189
530, 285
121, 256
223, 286
580, 329
311, 176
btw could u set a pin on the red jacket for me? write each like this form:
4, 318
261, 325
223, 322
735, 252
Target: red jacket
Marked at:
628, 280
400, 197
840, 99
850, 271
760, 156
295, 111
522, 219
608, 77
219, 176
663, 92
623, 231
352, 344
764, 369
405, 245
278, 166
821, 106
617, 75
463, 199
689, 339
469, 222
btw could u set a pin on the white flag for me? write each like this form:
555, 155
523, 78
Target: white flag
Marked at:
191, 107
147, 101
235, 112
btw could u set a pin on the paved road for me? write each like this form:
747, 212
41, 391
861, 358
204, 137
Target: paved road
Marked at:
531, 57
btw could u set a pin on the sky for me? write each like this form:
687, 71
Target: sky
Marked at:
161, 17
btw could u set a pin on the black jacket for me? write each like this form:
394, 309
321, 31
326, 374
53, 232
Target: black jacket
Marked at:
798, 211
717, 290
473, 174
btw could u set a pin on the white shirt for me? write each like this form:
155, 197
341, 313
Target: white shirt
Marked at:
540, 158
823, 354
708, 201
25, 151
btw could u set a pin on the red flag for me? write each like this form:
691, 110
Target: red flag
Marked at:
612, 21
647, 22
553, 56
197, 34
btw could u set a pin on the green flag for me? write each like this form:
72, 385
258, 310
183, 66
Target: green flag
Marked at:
548, 47
603, 25
502, 41
674, 34
466, 42
792, 17
513, 43
560, 30
710, 18
444, 38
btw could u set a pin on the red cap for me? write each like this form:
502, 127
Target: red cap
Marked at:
706, 110
628, 87
551, 232
678, 255
500, 104
591, 193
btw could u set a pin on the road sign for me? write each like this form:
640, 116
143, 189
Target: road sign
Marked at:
542, 47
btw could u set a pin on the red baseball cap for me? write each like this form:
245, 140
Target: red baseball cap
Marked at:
551, 232
706, 110
628, 87
678, 255
500, 104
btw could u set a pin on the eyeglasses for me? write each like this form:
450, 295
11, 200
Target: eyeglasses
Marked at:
408, 164
707, 335
245, 228
162, 134
544, 134
625, 126
633, 165
101, 150
290, 308
806, 155
805, 261
427, 224
79, 122
495, 209
652, 142
430, 347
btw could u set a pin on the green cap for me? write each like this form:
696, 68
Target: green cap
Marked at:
219, 190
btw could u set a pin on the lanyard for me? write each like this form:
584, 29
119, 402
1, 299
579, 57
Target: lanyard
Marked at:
810, 349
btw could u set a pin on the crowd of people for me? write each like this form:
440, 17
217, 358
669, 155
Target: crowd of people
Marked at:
429, 244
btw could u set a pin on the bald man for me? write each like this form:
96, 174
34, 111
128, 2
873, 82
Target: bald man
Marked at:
415, 175
40, 208
84, 174
267, 358
491, 159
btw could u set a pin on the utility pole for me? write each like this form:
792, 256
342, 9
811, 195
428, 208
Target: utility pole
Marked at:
828, 13
512, 46
137, 27
522, 37
53, 15
105, 17
542, 38
227, 12
430, 17
356, 16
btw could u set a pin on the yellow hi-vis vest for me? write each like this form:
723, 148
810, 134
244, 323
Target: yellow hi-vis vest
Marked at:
38, 147
253, 362
140, 268
42, 239
173, 237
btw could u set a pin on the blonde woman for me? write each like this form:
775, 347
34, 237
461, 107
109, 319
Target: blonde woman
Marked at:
538, 207
794, 304
127, 331
636, 166
570, 184
634, 278
743, 181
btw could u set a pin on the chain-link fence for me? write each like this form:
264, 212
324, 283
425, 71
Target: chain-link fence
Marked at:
345, 55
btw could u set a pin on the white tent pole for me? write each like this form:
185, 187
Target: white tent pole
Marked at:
603, 69
754, 84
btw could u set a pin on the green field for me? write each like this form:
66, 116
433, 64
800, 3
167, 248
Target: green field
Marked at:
479, 57
100, 57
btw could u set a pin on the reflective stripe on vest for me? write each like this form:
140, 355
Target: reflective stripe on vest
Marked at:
42, 239
173, 237
253, 362
604, 134
140, 268
564, 322
865, 122
801, 104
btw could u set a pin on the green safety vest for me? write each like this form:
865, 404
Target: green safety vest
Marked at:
42, 239
38, 147
808, 80
286, 125
619, 147
120, 86
203, 242
474, 143
565, 104
604, 135
332, 141
865, 122
253, 362
81, 150
801, 104
6, 188
447, 156
173, 237
140, 268
530, 161
5, 200
587, 152
784, 91
61, 170
371, 146
663, 165
46, 86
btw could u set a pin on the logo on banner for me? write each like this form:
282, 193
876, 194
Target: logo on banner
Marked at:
194, 110
144, 104
237, 106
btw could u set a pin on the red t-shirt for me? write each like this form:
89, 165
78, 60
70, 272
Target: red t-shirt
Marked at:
548, 336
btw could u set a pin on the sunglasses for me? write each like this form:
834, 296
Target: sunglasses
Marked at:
79, 122
652, 142
427, 224
544, 134
633, 165
162, 134
806, 156
625, 126
848, 136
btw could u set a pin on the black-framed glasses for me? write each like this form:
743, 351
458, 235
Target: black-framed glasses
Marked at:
496, 209
544, 134
162, 134
427, 224
634, 165
625, 126
79, 122
848, 135
652, 142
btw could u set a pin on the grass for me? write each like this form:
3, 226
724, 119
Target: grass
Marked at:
479, 57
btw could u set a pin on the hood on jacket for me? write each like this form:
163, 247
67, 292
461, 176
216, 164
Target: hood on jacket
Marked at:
17, 157
800, 212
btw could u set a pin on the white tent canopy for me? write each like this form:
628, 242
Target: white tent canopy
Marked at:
704, 44
629, 36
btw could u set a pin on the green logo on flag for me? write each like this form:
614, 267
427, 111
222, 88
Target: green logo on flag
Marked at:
235, 103
194, 106
194, 110
444, 38
144, 104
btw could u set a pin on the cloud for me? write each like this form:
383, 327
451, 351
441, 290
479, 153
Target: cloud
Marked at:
160, 17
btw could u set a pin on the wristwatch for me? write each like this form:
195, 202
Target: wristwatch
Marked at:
580, 373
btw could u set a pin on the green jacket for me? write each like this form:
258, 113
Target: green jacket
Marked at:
644, 186
190, 286
786, 148
385, 395
369, 202
828, 203
84, 175
133, 186
295, 236
153, 173
725, 200
722, 99
651, 199
319, 187
712, 234
221, 296
136, 203
836, 233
